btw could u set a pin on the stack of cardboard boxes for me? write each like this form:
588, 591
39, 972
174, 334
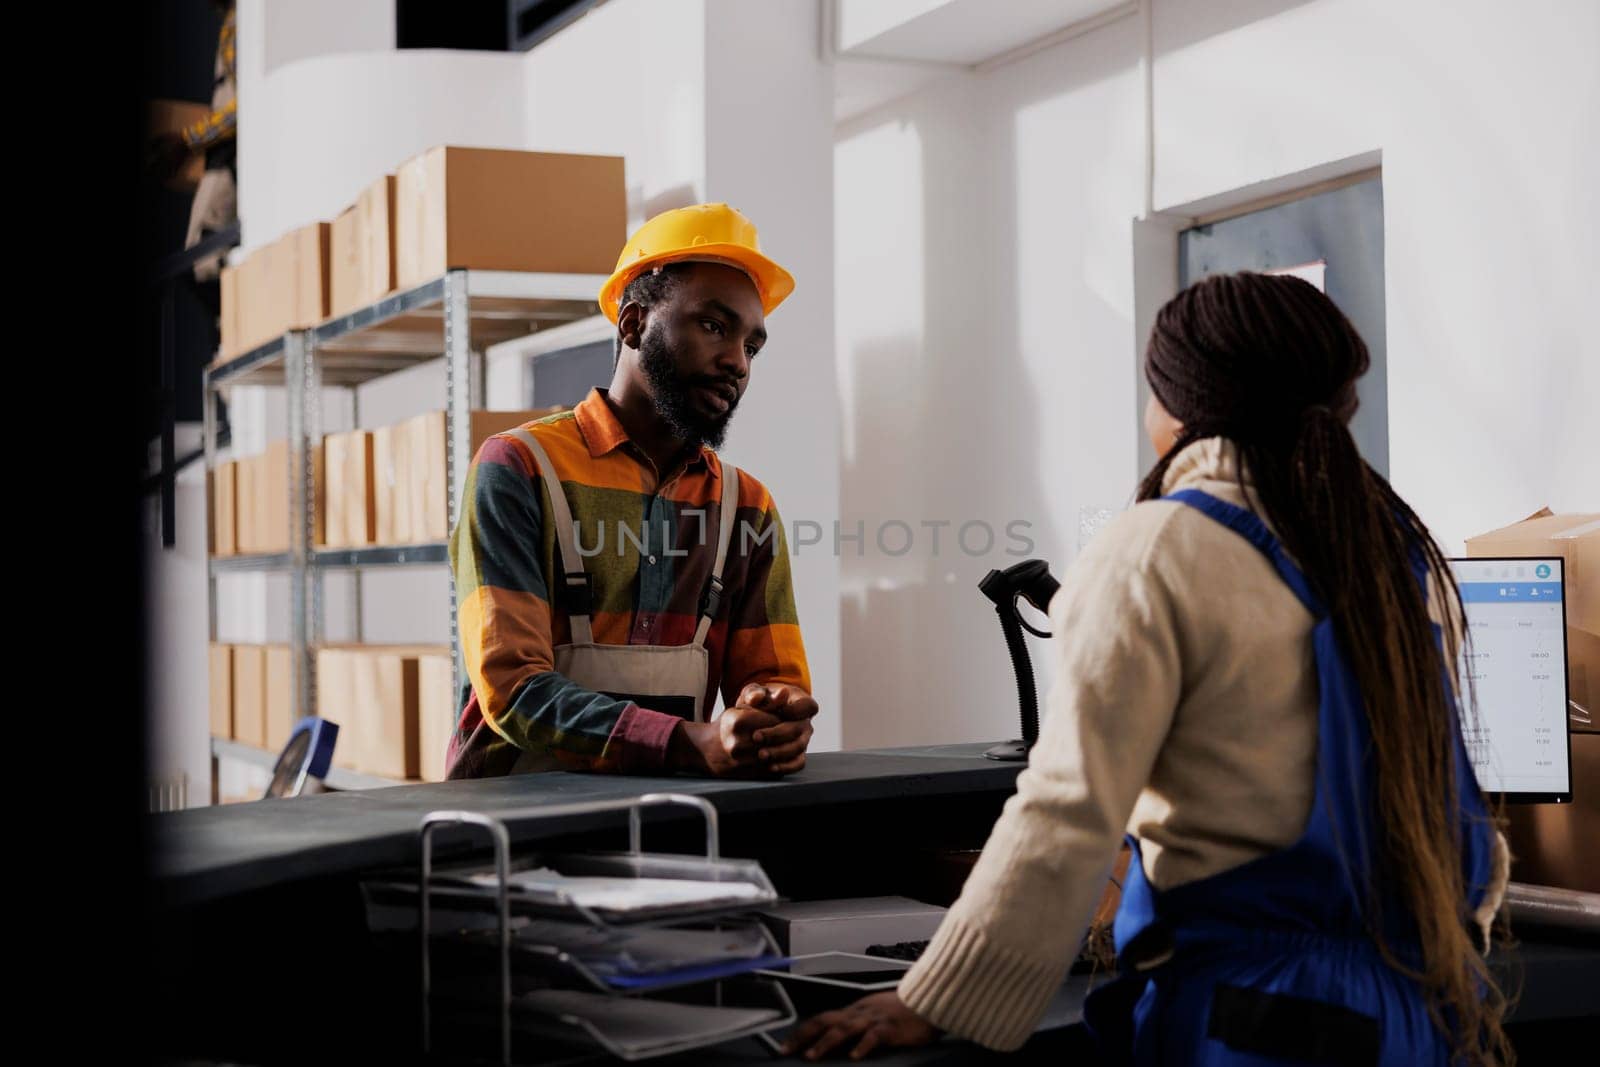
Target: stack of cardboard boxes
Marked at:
447, 208
394, 707
387, 486
393, 703
279, 287
1557, 844
252, 694
250, 502
370, 487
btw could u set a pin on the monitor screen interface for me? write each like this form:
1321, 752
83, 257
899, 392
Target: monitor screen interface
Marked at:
1517, 662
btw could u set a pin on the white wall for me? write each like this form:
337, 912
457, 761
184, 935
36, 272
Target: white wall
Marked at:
299, 29
984, 289
769, 152
327, 126
1485, 114
986, 340
627, 79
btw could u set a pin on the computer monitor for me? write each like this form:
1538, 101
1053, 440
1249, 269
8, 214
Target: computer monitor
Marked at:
1516, 659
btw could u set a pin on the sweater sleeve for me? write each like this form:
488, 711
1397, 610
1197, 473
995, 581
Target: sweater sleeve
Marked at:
1004, 948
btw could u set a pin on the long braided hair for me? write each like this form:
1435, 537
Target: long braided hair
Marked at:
1270, 364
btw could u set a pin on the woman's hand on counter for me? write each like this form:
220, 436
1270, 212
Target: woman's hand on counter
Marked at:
881, 1020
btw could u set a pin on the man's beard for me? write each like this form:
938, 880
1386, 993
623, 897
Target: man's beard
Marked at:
673, 402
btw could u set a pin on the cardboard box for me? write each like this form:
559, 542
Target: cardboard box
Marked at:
850, 925
174, 116
1556, 844
272, 498
278, 267
246, 471
436, 714
273, 510
333, 691
377, 204
220, 659
280, 717
261, 504
351, 519
344, 262
257, 315
422, 492
363, 249
281, 286
1576, 540
384, 701
491, 209
224, 509
250, 694
305, 259
391, 524
228, 345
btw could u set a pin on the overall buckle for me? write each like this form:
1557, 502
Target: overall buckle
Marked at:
711, 602
577, 594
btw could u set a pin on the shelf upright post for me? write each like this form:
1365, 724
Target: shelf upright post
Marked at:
208, 441
302, 401
354, 601
314, 426
464, 391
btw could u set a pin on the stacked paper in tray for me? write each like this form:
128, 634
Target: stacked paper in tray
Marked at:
623, 895
624, 952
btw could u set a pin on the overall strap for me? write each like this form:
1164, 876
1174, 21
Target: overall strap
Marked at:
573, 589
730, 505
1248, 525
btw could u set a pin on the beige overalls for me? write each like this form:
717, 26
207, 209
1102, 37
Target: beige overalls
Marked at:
633, 672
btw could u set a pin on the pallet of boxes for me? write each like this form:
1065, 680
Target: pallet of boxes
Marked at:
444, 209
1556, 844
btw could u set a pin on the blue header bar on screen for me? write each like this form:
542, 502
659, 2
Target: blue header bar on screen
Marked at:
1509, 592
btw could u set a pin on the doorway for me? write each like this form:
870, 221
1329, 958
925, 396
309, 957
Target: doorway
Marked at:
1332, 237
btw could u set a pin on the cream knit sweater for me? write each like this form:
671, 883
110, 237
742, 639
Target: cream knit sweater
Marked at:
1184, 712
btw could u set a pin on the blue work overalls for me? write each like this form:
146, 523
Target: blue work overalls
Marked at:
1272, 962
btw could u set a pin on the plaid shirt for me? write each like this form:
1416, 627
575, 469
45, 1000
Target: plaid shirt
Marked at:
504, 553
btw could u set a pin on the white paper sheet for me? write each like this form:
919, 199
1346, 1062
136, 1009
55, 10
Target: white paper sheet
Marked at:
627, 894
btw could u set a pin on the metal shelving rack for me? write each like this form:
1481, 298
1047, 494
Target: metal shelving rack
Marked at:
454, 317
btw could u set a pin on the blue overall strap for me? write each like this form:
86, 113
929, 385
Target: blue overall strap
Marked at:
1341, 818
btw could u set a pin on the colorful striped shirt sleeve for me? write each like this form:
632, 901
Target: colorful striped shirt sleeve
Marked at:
763, 642
504, 610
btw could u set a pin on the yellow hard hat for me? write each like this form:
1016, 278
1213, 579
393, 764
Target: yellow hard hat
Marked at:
711, 233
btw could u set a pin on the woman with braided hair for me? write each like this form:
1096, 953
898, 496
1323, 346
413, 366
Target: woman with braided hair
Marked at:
1255, 686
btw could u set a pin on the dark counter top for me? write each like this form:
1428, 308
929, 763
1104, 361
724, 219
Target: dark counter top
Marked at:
243, 880
206, 853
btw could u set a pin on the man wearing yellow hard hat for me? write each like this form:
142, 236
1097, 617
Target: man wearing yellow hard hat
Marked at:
613, 574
